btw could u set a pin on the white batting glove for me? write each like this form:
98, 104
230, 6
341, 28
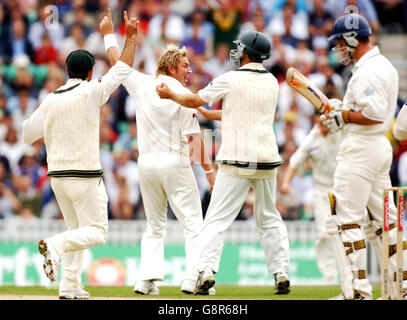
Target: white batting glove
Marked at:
331, 225
333, 119
336, 104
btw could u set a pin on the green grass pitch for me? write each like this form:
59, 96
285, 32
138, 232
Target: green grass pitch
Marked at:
223, 292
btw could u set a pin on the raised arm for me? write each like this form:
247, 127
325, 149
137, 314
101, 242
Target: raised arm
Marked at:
103, 88
189, 100
131, 35
107, 31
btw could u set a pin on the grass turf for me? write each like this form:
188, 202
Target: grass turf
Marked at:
223, 292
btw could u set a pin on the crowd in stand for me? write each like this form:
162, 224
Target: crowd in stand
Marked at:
36, 36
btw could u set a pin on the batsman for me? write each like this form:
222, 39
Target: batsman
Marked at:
364, 156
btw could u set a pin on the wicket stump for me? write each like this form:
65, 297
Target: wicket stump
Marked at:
387, 278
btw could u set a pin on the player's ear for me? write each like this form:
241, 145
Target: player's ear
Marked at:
90, 73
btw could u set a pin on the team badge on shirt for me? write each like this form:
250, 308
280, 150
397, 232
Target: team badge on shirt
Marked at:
368, 91
100, 80
194, 115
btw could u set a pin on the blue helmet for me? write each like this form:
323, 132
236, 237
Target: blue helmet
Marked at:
353, 25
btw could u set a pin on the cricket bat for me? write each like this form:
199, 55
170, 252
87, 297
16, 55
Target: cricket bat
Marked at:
296, 80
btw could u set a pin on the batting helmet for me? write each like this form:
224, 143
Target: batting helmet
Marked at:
255, 44
350, 24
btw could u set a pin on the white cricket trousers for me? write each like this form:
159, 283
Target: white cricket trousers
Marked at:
228, 196
177, 186
362, 173
83, 203
324, 253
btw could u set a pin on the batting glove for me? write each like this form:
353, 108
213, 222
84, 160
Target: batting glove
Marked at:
334, 120
336, 104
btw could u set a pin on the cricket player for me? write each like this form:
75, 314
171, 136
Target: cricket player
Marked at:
68, 120
400, 129
364, 154
164, 130
248, 157
320, 146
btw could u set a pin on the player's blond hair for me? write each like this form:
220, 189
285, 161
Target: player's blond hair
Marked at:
170, 57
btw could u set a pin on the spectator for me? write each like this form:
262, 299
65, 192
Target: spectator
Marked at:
256, 23
127, 168
46, 52
292, 25
19, 43
392, 15
26, 193
21, 106
320, 22
220, 63
281, 58
194, 38
225, 17
12, 148
9, 204
324, 74
5, 172
166, 25
4, 34
129, 135
83, 19
46, 25
75, 41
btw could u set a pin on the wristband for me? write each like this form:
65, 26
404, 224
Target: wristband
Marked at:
110, 41
345, 116
209, 171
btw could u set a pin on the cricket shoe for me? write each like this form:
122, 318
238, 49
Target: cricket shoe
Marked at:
282, 283
51, 259
80, 294
188, 287
205, 281
146, 287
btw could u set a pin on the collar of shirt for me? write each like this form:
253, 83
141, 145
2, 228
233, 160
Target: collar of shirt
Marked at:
253, 65
371, 53
70, 83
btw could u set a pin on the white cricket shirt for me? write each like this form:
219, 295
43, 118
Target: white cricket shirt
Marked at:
372, 89
249, 98
68, 119
163, 125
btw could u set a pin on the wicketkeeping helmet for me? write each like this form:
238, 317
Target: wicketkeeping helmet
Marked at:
254, 43
349, 27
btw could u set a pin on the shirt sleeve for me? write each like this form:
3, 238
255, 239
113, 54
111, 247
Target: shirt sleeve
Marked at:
33, 126
189, 121
371, 97
301, 154
103, 87
215, 90
400, 129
